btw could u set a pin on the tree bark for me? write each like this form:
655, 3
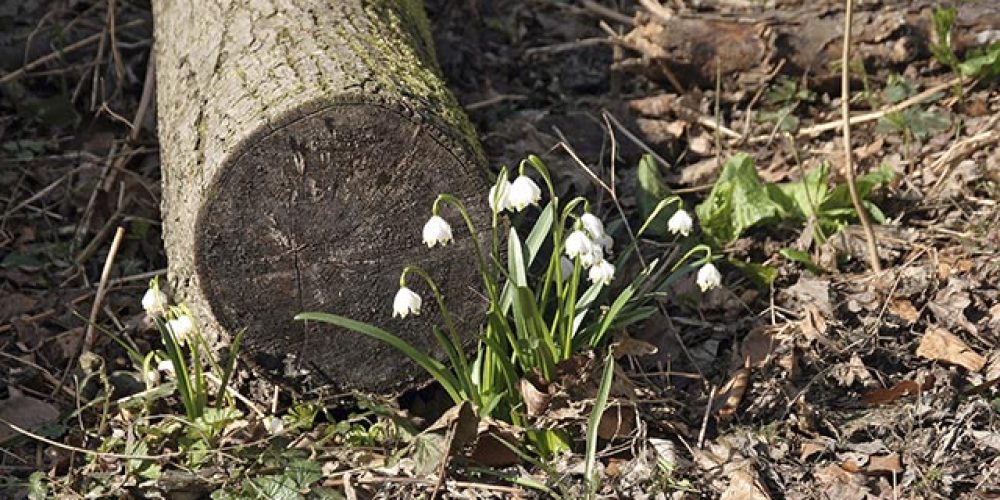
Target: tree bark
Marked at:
690, 49
302, 144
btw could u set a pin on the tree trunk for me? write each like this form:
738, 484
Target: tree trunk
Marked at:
689, 50
302, 143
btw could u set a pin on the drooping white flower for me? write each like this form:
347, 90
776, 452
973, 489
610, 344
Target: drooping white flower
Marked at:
708, 277
181, 328
165, 366
565, 267
437, 230
578, 243
606, 243
680, 223
500, 202
593, 225
274, 425
154, 302
602, 272
595, 255
523, 192
152, 377
406, 302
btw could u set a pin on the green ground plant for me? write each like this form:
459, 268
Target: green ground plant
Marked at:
541, 312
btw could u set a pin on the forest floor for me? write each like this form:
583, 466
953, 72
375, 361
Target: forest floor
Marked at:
806, 375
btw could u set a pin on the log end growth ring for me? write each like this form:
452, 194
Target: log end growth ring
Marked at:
337, 198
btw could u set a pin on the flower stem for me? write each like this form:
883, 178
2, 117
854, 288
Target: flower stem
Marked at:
487, 278
463, 369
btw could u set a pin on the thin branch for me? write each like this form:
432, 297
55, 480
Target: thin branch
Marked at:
845, 112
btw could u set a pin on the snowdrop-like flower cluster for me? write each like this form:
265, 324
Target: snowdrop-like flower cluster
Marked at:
182, 327
514, 196
589, 242
154, 302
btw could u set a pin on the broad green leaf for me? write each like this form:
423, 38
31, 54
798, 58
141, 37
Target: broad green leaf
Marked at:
738, 201
802, 258
432, 366
600, 405
986, 62
540, 232
651, 190
515, 260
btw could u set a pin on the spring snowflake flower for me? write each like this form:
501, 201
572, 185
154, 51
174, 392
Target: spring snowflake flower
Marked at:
680, 223
500, 202
593, 225
154, 302
181, 327
406, 302
578, 244
602, 272
437, 230
708, 277
606, 243
523, 192
595, 255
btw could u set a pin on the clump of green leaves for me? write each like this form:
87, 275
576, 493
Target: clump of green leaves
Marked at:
740, 200
980, 61
784, 97
541, 310
914, 121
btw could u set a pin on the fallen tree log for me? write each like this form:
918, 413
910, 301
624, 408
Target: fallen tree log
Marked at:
302, 144
689, 49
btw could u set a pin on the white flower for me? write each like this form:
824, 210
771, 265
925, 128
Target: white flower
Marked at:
165, 366
437, 230
152, 377
606, 242
565, 267
523, 192
406, 302
181, 328
593, 225
502, 198
602, 272
680, 223
274, 425
708, 277
593, 257
154, 302
577, 243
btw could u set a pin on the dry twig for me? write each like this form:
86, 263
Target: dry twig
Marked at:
845, 111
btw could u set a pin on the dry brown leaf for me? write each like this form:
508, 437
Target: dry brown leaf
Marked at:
839, 483
903, 388
853, 371
731, 393
744, 485
535, 401
813, 324
493, 448
617, 421
625, 345
810, 448
904, 309
25, 412
941, 345
885, 464
758, 345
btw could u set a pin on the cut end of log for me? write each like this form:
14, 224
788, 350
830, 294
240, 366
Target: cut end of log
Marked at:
320, 214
